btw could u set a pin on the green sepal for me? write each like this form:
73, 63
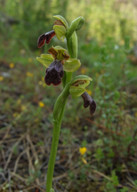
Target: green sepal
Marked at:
75, 25
78, 85
60, 31
71, 65
45, 59
59, 53
81, 78
62, 19
76, 91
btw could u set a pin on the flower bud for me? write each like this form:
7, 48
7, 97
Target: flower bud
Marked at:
75, 25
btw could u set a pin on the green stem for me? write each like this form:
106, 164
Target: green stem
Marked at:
54, 146
58, 113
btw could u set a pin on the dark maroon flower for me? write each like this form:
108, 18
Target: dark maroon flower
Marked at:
88, 101
54, 73
45, 37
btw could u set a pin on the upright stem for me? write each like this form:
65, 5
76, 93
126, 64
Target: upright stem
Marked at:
59, 108
54, 146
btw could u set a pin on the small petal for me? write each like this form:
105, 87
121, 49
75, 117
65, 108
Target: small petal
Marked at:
45, 59
45, 37
60, 31
81, 79
59, 53
62, 20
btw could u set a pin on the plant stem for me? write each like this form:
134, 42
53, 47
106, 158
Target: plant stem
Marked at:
58, 113
60, 107
54, 146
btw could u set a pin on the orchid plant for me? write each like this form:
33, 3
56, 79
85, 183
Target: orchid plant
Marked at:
60, 63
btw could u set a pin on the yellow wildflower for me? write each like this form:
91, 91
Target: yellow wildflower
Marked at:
135, 114
23, 107
15, 114
11, 65
43, 79
29, 74
36, 120
30, 60
19, 101
84, 161
97, 75
83, 70
89, 92
41, 104
44, 85
1, 78
82, 150
40, 83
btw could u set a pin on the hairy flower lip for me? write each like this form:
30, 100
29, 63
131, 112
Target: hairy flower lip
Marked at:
54, 73
45, 37
88, 101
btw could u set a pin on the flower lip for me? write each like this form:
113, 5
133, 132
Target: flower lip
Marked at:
54, 73
45, 37
88, 101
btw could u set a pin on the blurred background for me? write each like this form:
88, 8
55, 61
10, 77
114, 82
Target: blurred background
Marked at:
97, 153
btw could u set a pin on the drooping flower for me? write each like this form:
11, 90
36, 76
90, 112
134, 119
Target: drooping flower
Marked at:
59, 29
77, 88
54, 73
89, 102
56, 63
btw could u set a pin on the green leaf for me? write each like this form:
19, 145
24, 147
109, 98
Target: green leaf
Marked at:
62, 19
60, 31
71, 65
45, 59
